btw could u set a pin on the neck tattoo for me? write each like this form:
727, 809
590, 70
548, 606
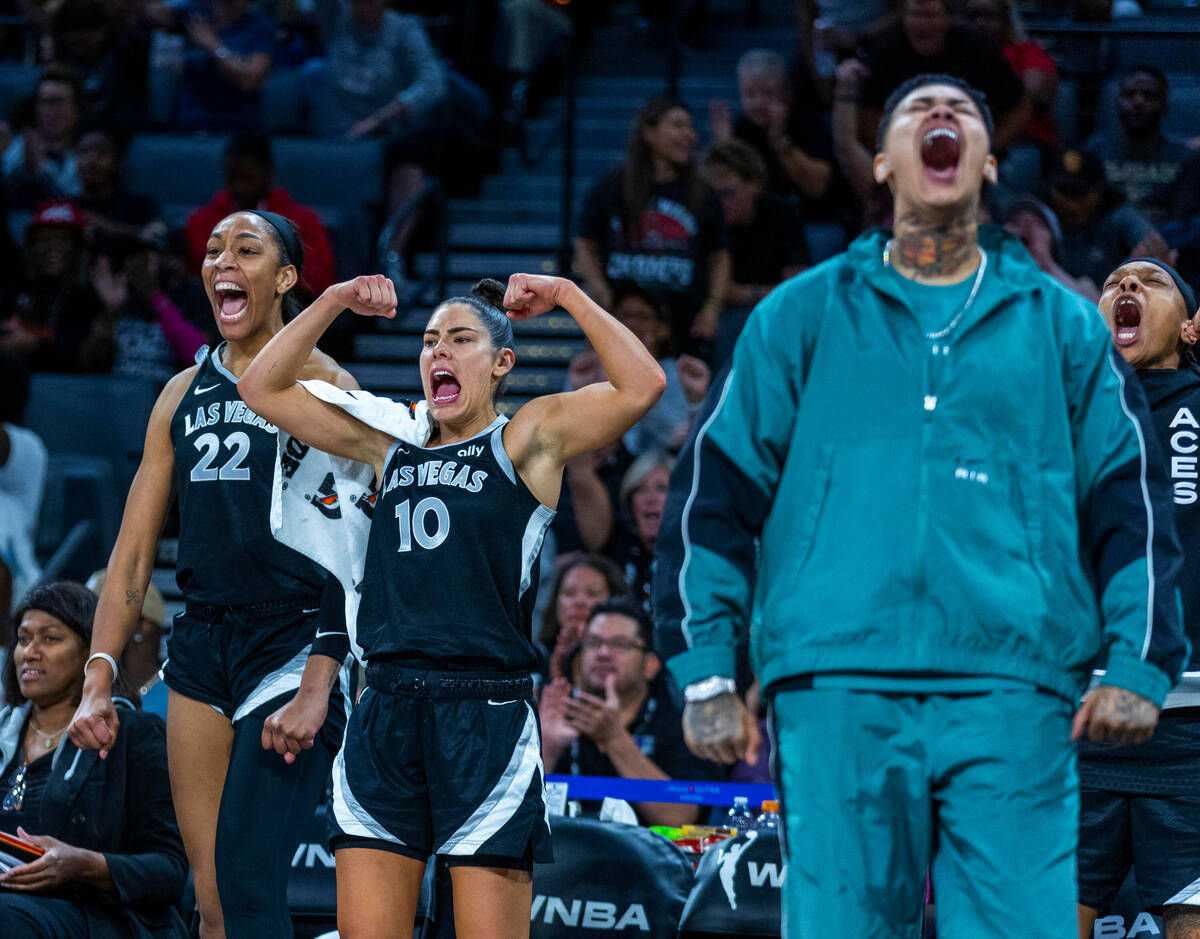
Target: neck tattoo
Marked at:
930, 250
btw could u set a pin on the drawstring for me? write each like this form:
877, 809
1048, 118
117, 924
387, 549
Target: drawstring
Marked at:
74, 763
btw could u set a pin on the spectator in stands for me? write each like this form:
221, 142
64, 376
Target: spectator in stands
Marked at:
147, 648
623, 718
789, 136
114, 866
666, 424
1140, 806
138, 332
655, 221
925, 42
1154, 173
383, 78
765, 231
39, 164
634, 535
249, 168
853, 158
47, 315
581, 583
225, 65
1099, 228
1000, 24
110, 211
534, 28
23, 462
1037, 226
110, 59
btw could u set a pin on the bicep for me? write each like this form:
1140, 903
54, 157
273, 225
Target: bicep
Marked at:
327, 426
574, 422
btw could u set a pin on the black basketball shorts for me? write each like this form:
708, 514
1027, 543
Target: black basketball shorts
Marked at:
445, 763
248, 660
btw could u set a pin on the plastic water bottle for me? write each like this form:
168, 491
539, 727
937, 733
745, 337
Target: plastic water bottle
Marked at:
768, 819
740, 818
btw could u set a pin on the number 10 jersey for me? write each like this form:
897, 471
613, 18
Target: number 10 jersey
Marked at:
452, 559
224, 466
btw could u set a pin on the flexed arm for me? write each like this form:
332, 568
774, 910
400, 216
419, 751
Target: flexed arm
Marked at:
269, 384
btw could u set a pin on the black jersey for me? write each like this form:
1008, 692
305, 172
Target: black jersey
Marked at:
224, 467
451, 570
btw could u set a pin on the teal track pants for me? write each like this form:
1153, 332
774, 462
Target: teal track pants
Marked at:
876, 788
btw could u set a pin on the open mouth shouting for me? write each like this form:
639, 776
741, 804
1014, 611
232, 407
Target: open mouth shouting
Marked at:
232, 301
1127, 319
444, 385
941, 149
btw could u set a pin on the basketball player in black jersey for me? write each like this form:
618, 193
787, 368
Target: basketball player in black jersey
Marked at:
244, 671
442, 754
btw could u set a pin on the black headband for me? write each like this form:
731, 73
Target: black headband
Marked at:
287, 234
1185, 290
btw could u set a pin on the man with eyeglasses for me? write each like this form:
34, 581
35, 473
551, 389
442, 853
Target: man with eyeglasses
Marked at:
625, 718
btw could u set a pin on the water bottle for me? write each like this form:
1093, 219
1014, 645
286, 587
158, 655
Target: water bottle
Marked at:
768, 819
740, 818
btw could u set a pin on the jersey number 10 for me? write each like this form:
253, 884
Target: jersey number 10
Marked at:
416, 524
209, 446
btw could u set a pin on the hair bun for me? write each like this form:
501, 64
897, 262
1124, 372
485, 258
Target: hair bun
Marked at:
490, 291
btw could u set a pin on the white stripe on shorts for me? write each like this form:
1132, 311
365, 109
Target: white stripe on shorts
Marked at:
506, 796
348, 813
284, 680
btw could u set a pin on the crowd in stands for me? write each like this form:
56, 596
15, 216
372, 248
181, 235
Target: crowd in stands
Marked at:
680, 240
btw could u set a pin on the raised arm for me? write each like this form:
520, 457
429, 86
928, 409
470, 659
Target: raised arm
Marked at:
94, 726
269, 384
550, 430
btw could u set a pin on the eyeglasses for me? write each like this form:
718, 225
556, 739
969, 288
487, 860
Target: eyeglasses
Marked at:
15, 797
616, 643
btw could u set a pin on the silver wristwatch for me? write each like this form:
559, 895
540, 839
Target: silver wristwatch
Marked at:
709, 688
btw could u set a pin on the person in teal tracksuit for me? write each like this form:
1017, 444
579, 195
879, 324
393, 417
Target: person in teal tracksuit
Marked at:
929, 488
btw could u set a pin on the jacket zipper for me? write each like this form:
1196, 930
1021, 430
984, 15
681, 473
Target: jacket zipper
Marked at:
935, 355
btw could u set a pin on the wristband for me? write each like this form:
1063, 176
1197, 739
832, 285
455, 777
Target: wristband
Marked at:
709, 688
101, 655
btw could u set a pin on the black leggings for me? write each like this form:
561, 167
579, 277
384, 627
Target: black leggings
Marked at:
265, 806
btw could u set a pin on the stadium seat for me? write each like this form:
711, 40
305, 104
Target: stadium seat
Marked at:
92, 415
17, 80
330, 172
1066, 111
79, 488
825, 239
283, 101
1021, 170
176, 169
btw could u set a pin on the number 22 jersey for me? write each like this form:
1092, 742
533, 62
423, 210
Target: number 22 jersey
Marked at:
224, 466
452, 558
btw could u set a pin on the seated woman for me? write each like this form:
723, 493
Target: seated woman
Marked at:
581, 583
114, 866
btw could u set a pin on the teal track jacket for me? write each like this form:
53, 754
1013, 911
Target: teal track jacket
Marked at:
864, 499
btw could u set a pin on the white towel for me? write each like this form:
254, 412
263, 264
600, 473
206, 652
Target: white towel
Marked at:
321, 505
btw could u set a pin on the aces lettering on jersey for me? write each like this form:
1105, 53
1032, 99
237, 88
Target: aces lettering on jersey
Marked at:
1185, 444
222, 451
231, 412
437, 473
